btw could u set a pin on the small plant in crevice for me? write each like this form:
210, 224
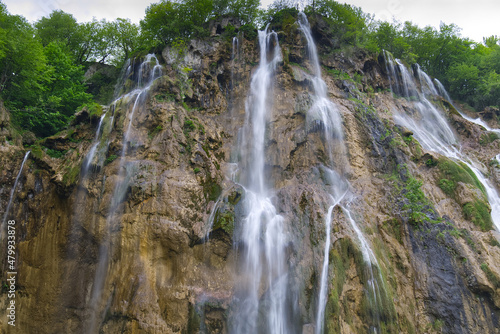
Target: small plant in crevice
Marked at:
110, 159
494, 280
155, 131
478, 212
494, 242
55, 153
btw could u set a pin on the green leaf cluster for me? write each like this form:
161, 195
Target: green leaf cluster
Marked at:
168, 21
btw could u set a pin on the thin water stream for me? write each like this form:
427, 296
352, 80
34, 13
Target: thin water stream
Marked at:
149, 71
325, 112
430, 127
12, 192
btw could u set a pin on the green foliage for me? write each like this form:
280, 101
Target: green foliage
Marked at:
59, 27
447, 186
457, 172
95, 109
196, 170
71, 174
101, 85
431, 162
224, 221
479, 213
249, 31
110, 159
189, 125
36, 151
89, 41
339, 74
416, 201
487, 138
155, 131
463, 79
491, 276
494, 242
41, 122
279, 14
168, 21
55, 153
22, 62
348, 24
65, 90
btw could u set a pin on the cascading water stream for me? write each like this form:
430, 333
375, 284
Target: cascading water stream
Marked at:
433, 132
121, 185
262, 235
9, 204
93, 150
325, 113
442, 91
374, 291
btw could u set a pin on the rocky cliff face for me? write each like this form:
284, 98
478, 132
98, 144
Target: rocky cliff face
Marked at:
440, 270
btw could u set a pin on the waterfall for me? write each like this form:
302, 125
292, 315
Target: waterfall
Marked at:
432, 130
7, 210
325, 112
92, 152
478, 121
262, 238
149, 71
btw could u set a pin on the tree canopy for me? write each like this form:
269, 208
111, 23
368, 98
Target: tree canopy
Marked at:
42, 64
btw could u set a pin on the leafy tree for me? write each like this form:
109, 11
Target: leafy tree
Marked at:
161, 22
127, 37
64, 90
22, 60
464, 80
59, 26
246, 10
388, 37
349, 23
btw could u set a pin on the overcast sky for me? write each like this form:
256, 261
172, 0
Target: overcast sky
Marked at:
477, 18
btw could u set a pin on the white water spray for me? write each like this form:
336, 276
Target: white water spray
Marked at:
325, 113
7, 210
148, 72
262, 236
478, 121
433, 132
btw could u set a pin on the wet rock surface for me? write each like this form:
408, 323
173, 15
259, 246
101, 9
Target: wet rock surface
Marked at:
165, 276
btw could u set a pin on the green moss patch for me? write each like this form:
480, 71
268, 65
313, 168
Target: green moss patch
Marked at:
491, 276
452, 173
478, 212
224, 221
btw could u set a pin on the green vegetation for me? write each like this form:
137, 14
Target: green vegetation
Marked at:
155, 131
95, 109
71, 174
224, 221
343, 256
452, 173
42, 64
168, 21
55, 153
447, 186
494, 242
110, 159
417, 204
491, 276
479, 213
487, 138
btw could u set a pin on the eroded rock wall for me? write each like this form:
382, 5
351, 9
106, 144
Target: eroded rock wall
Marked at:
440, 274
